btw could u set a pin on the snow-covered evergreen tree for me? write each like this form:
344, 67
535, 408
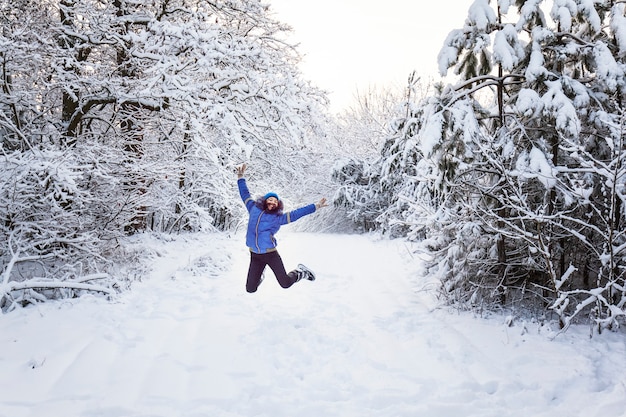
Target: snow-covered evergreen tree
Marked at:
547, 182
372, 180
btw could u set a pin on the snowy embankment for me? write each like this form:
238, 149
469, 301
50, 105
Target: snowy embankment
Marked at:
362, 340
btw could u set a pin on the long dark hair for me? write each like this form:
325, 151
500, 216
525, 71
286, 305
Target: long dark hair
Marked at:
261, 203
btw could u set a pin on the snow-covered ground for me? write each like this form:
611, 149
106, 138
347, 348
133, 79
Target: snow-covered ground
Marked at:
365, 339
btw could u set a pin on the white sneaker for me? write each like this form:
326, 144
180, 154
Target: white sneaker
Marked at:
305, 273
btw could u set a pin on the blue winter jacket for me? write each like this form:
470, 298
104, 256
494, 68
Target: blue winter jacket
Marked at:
262, 226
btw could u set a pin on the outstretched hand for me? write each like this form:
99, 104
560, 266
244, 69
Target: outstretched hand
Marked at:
320, 204
241, 170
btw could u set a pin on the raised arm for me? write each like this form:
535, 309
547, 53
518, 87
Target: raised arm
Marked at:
296, 214
244, 193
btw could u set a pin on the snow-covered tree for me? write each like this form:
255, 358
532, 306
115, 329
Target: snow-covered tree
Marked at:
373, 177
547, 183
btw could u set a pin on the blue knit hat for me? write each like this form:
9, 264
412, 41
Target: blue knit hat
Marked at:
271, 194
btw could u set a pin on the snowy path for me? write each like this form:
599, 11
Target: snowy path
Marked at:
360, 341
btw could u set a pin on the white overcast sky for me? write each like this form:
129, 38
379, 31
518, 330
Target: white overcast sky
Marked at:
351, 45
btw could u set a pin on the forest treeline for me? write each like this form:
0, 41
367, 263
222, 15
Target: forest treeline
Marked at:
119, 117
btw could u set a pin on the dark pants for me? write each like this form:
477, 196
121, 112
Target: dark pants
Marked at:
258, 262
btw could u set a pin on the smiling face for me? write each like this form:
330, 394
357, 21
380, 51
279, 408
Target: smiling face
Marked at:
271, 203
